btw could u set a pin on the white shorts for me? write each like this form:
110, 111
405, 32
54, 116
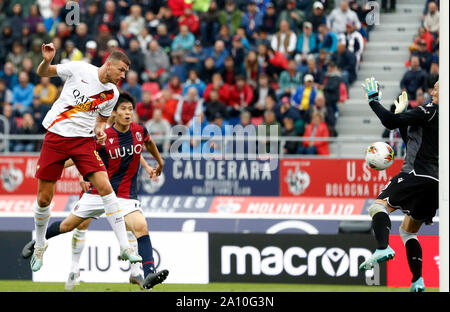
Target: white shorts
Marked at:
91, 206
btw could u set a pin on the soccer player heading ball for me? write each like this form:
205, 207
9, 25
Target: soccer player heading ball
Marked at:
415, 189
81, 111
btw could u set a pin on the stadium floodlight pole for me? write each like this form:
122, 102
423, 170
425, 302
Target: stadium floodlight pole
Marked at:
443, 152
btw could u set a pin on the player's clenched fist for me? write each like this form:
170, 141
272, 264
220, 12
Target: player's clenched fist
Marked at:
48, 51
101, 137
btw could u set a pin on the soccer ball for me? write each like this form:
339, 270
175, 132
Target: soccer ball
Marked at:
379, 156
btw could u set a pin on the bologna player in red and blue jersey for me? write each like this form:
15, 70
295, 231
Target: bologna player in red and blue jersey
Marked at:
121, 155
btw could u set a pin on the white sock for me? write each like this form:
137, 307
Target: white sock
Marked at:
114, 215
78, 242
135, 268
41, 218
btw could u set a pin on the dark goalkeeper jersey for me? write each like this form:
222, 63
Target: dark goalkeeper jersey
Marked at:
420, 131
121, 155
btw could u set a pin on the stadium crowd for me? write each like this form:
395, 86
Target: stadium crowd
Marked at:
281, 62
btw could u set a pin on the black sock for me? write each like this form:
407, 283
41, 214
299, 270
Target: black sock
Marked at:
414, 255
381, 224
53, 230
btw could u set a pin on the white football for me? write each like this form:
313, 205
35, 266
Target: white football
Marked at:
379, 156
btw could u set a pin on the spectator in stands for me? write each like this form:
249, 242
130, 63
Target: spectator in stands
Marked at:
262, 90
317, 16
23, 95
124, 35
423, 34
27, 66
287, 110
8, 113
81, 37
28, 127
133, 86
270, 18
191, 20
136, 57
230, 16
315, 71
251, 68
41, 33
25, 38
207, 70
327, 40
218, 85
433, 76
289, 80
6, 42
420, 99
385, 8
5, 94
195, 58
218, 53
135, 20
102, 39
35, 54
40, 110
151, 23
346, 62
16, 20
431, 20
174, 85
305, 95
214, 106
9, 76
425, 57
194, 81
327, 113
145, 107
292, 16
306, 43
158, 126
285, 40
252, 20
178, 67
157, 64
272, 130
16, 56
231, 70
188, 106
177, 7
92, 18
167, 18
209, 24
91, 56
184, 41
168, 102
110, 16
331, 88
46, 91
71, 53
163, 38
316, 129
33, 18
414, 78
340, 16
354, 42
290, 147
241, 96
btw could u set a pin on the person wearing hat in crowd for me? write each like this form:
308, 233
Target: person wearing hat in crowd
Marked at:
306, 43
305, 94
102, 39
91, 56
195, 57
270, 18
317, 16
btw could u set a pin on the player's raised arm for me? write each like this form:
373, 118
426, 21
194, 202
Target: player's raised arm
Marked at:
415, 117
45, 69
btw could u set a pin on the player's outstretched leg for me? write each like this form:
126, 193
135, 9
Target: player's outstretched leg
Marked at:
381, 224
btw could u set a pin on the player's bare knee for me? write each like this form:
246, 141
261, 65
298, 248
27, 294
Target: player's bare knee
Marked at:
377, 207
405, 235
65, 227
140, 229
44, 200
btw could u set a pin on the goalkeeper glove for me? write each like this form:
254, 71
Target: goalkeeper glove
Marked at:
371, 89
402, 103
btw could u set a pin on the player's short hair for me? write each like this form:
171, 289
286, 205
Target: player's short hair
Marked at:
119, 56
125, 97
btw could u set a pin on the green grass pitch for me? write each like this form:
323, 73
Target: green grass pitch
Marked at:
29, 286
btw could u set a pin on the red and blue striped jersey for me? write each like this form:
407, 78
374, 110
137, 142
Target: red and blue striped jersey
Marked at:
121, 155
